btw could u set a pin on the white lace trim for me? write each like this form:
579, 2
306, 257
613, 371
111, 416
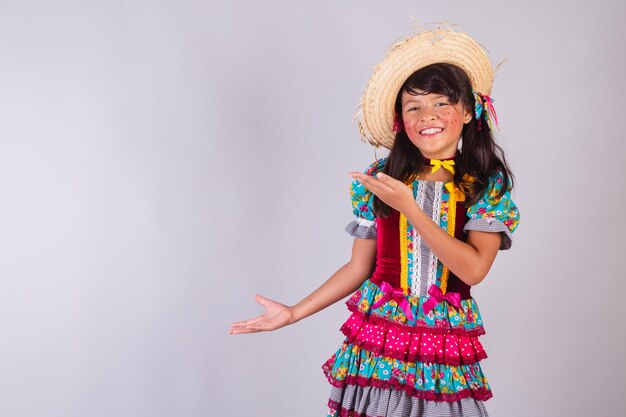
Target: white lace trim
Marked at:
436, 214
364, 222
416, 277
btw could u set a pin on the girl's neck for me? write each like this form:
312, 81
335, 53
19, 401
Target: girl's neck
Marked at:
440, 174
443, 176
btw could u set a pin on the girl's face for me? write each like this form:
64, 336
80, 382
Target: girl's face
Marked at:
433, 124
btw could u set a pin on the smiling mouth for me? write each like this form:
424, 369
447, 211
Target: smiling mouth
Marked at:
431, 131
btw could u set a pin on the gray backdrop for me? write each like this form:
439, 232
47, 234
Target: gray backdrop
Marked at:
163, 161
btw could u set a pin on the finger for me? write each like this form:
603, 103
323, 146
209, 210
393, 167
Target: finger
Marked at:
370, 180
246, 329
265, 302
248, 326
249, 321
244, 322
257, 327
366, 180
385, 179
237, 330
388, 180
257, 321
372, 184
242, 330
254, 321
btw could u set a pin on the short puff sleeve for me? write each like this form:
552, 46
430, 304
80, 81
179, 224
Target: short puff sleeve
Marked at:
494, 214
364, 226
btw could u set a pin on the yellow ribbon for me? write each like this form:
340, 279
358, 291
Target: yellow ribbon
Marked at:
456, 194
455, 191
404, 244
404, 254
438, 163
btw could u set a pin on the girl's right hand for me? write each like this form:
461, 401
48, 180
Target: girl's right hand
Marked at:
276, 315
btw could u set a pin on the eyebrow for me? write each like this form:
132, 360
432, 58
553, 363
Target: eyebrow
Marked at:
413, 99
416, 99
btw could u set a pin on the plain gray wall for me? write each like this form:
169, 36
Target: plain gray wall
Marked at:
163, 161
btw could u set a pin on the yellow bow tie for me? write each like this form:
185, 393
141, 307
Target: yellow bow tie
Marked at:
438, 163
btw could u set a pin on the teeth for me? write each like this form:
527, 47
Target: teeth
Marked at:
431, 130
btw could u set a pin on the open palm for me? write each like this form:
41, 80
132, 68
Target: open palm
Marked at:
275, 316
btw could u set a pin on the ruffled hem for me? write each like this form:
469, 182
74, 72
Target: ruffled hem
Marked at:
439, 328
443, 319
357, 401
479, 394
361, 230
389, 339
353, 365
492, 225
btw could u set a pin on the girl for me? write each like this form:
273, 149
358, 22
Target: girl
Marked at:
430, 219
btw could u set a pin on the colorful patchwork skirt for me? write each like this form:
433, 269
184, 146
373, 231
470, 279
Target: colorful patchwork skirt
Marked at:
426, 365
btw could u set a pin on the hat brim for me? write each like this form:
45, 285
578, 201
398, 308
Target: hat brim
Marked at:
376, 116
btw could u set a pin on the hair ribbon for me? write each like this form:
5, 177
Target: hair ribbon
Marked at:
484, 105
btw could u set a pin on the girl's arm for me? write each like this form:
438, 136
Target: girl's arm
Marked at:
470, 261
346, 280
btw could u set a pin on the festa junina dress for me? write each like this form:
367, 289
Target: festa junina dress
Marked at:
411, 346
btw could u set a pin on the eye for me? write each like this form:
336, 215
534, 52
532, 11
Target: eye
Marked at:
414, 108
442, 103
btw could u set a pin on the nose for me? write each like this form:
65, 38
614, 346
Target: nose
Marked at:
429, 114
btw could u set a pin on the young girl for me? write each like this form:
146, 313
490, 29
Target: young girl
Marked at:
430, 219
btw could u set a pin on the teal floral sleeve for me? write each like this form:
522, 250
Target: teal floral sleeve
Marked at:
364, 226
494, 214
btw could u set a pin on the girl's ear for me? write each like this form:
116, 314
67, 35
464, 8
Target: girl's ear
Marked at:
467, 116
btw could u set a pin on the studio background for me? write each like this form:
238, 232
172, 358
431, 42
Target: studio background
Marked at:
163, 161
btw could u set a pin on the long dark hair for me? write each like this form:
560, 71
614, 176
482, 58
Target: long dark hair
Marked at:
479, 156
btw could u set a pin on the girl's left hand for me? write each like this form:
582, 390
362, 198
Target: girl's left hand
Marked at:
394, 193
275, 316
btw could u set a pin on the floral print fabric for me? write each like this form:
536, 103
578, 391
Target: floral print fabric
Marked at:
491, 207
436, 355
361, 197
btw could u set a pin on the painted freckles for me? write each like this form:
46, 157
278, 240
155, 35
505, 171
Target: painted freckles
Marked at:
432, 123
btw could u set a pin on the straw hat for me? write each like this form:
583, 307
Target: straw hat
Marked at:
376, 113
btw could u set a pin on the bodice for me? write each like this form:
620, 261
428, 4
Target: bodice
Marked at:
424, 269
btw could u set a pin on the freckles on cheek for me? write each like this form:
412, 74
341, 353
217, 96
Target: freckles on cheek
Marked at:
454, 118
408, 124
